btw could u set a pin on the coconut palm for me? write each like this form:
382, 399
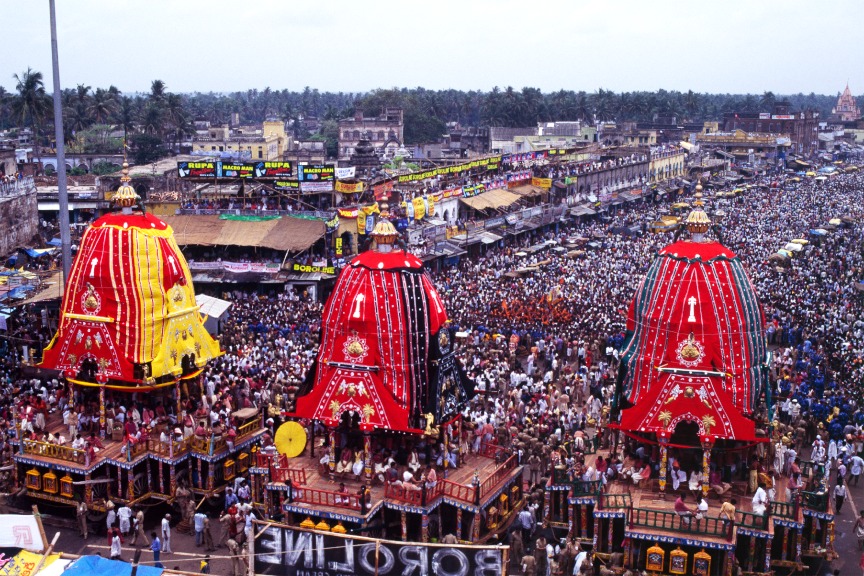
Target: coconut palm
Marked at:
102, 106
31, 104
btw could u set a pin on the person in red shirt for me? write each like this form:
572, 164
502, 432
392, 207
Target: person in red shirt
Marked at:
682, 509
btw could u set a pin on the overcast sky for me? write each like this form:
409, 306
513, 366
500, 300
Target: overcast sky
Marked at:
732, 46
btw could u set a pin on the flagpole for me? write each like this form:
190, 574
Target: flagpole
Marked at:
62, 194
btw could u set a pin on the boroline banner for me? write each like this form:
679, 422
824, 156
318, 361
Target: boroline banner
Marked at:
289, 551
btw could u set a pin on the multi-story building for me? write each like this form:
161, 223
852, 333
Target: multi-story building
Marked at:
386, 133
666, 162
801, 127
243, 142
743, 145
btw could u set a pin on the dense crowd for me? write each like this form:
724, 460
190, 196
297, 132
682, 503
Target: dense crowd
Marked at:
540, 334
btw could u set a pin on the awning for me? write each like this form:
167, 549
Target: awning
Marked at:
489, 238
284, 234
210, 306
55, 206
582, 211
492, 199
686, 145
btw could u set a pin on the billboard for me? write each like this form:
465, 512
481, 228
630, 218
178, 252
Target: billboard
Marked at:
289, 551
196, 169
259, 169
272, 169
287, 185
349, 187
316, 172
234, 170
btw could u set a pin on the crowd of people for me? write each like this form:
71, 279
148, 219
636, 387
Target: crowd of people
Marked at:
542, 346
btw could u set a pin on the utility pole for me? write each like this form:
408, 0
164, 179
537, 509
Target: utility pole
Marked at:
62, 194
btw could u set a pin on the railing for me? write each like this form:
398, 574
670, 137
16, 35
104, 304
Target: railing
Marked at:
318, 497
283, 474
279, 469
250, 427
498, 476
171, 448
459, 492
17, 186
202, 445
66, 453
413, 495
493, 451
783, 509
586, 487
663, 520
815, 500
755, 521
617, 501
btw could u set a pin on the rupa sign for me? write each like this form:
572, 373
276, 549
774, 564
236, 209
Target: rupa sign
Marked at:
288, 551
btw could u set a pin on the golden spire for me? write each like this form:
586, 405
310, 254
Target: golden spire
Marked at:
125, 197
697, 221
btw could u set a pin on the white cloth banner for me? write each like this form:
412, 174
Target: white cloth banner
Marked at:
238, 267
345, 172
20, 531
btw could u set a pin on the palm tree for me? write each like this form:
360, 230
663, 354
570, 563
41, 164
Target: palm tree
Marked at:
157, 90
31, 104
102, 106
126, 115
82, 92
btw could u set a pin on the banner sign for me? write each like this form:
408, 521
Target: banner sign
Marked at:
288, 185
196, 169
348, 212
542, 183
326, 186
259, 169
21, 531
236, 267
346, 172
382, 190
445, 170
316, 172
284, 551
319, 269
349, 187
274, 169
229, 170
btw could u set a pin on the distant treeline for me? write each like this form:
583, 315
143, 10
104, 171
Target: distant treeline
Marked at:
156, 121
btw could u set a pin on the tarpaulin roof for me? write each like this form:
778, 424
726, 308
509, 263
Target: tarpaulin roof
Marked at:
98, 566
528, 190
493, 199
284, 234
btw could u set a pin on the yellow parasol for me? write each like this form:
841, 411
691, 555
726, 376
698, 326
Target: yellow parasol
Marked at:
290, 439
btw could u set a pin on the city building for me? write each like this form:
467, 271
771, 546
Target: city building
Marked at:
743, 144
666, 162
545, 136
846, 109
802, 127
626, 134
268, 142
386, 133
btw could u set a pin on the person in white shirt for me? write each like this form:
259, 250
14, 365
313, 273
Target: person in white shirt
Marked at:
166, 534
702, 508
760, 500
